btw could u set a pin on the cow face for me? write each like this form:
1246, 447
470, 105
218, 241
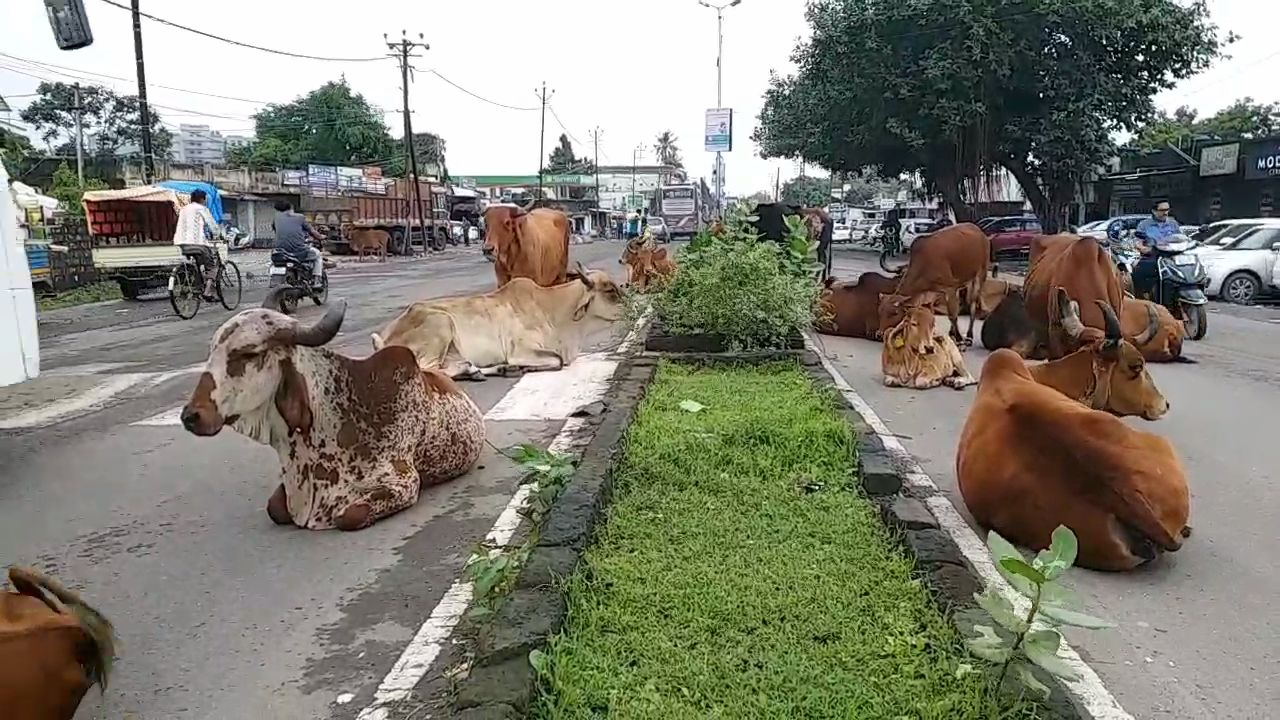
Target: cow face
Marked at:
894, 308
500, 225
914, 332
250, 365
603, 299
1122, 385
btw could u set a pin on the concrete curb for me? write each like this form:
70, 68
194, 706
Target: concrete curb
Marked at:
502, 683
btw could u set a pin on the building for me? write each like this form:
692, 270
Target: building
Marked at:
235, 141
198, 145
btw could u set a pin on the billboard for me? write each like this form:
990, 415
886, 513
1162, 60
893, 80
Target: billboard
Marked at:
1263, 160
1219, 160
719, 130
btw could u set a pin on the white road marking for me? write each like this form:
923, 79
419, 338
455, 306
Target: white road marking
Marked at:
1088, 691
556, 395
64, 409
427, 644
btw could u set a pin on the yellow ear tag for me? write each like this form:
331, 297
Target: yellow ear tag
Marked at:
898, 341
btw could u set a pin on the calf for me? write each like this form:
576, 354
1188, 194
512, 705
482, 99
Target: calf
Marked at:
53, 648
520, 326
916, 356
357, 439
852, 309
370, 240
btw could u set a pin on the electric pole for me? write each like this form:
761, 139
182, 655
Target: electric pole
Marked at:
542, 133
595, 139
79, 139
637, 152
144, 112
404, 50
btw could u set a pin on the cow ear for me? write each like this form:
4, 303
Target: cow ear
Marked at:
292, 400
581, 311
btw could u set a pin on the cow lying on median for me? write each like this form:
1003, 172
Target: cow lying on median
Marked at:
916, 356
646, 264
357, 439
53, 648
518, 326
1031, 458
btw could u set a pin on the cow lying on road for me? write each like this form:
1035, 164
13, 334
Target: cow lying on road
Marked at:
1154, 330
917, 356
357, 439
1030, 458
518, 326
852, 309
53, 648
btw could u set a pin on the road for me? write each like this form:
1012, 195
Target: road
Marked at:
1197, 636
221, 613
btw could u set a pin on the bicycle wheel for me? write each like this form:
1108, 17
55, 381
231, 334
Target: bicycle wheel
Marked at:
184, 291
229, 287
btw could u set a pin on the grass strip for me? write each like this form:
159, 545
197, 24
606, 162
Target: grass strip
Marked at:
83, 295
739, 574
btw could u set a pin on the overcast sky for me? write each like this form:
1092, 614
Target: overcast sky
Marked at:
632, 67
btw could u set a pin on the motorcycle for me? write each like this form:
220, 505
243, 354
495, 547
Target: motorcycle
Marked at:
296, 273
1124, 253
1181, 280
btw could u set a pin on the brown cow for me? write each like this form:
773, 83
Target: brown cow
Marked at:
1154, 330
852, 309
53, 648
1085, 270
646, 265
957, 256
1031, 459
369, 239
532, 244
916, 356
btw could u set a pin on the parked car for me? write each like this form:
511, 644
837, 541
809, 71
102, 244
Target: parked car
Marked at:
841, 233
1010, 235
1098, 230
863, 229
913, 228
1215, 233
1241, 262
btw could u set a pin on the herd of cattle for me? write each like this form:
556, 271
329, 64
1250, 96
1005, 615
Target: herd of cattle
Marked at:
1043, 444
358, 438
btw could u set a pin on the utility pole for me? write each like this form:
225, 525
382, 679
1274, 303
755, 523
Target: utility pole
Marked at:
79, 139
635, 154
542, 133
719, 85
595, 140
404, 50
144, 112
777, 185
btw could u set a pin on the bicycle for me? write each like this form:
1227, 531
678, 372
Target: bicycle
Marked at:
186, 285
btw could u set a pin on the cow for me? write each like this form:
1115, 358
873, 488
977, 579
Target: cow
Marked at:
852, 309
916, 356
357, 438
53, 647
955, 257
1009, 326
520, 326
527, 244
771, 224
1154, 330
646, 264
1088, 274
1030, 459
369, 239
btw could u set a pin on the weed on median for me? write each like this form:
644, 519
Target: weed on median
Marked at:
739, 574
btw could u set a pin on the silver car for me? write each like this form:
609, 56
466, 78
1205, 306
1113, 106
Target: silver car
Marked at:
658, 228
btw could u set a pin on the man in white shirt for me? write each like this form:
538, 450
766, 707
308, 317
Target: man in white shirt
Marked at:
195, 230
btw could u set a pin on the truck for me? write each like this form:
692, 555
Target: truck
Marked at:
132, 230
20, 343
681, 207
336, 215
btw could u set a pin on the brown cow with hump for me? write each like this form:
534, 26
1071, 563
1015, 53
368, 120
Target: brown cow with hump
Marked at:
852, 309
955, 257
531, 244
1032, 456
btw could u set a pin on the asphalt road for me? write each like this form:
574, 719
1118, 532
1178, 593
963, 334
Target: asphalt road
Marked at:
1197, 635
222, 614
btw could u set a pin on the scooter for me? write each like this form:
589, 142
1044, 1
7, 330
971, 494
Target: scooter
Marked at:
1182, 280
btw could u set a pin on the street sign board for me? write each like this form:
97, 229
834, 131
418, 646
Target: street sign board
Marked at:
719, 130
1219, 160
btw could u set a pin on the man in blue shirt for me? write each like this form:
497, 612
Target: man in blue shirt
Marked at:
1152, 232
292, 233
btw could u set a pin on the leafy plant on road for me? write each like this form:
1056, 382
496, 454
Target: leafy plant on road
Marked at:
1021, 640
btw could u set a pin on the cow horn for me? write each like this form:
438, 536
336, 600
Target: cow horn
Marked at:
324, 329
1110, 320
1069, 314
1153, 326
581, 272
274, 298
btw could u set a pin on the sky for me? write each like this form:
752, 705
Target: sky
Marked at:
633, 68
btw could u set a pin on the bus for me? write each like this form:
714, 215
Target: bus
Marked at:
681, 208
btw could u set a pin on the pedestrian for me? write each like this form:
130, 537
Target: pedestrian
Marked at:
194, 234
292, 232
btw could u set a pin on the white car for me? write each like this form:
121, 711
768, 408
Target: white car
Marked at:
913, 228
1240, 258
841, 233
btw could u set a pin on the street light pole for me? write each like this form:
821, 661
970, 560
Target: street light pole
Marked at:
719, 170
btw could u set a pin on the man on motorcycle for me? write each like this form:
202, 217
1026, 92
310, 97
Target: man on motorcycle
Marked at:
892, 227
292, 231
1152, 232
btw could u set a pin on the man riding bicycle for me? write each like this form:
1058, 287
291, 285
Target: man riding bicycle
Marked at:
194, 233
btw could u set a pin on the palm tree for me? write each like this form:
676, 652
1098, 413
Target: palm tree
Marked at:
666, 150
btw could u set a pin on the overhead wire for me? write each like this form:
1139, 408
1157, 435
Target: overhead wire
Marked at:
476, 96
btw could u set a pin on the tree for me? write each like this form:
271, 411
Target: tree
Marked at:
955, 89
330, 124
758, 197
429, 148
563, 161
14, 146
1242, 120
866, 186
112, 121
807, 191
667, 151
68, 191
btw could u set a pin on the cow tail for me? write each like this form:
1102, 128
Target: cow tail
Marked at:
97, 664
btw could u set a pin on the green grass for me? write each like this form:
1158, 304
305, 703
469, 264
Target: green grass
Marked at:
92, 293
739, 574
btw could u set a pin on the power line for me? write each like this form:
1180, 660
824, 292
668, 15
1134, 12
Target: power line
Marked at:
55, 68
561, 124
478, 97
251, 46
